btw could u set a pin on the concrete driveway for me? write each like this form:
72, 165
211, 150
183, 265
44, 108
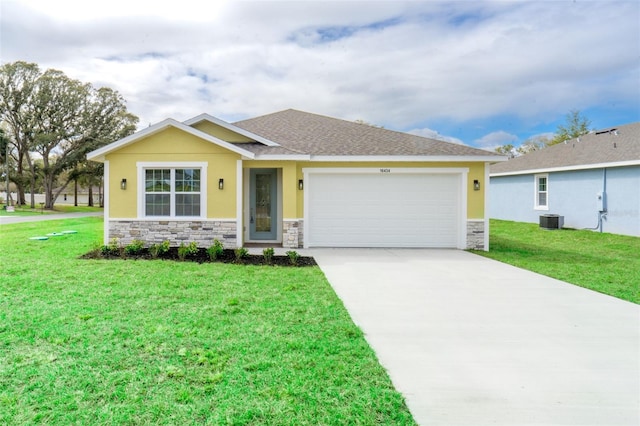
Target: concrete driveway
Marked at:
471, 341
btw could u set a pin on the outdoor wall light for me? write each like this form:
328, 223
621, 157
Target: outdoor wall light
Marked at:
123, 184
300, 184
476, 185
221, 183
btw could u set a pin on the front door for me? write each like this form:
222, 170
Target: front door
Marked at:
263, 204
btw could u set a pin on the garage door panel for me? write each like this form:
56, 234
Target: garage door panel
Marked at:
381, 210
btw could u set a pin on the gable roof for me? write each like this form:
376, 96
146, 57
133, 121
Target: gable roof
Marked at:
206, 117
99, 154
297, 135
325, 137
611, 147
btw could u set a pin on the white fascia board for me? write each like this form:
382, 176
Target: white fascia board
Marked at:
569, 168
99, 154
229, 126
283, 157
376, 170
407, 158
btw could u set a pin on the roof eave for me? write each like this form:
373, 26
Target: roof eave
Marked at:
283, 157
409, 158
568, 168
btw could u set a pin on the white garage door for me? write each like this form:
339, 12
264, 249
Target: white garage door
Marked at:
383, 210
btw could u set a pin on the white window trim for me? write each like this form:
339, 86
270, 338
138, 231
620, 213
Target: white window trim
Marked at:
144, 165
536, 180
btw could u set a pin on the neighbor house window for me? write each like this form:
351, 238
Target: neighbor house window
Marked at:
542, 192
173, 191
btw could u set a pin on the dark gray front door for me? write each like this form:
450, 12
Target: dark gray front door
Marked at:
263, 204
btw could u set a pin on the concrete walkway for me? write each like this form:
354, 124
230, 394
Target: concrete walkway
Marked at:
471, 341
5, 220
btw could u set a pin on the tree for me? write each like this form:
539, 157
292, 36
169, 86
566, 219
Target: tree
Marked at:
4, 146
4, 161
60, 120
576, 125
17, 84
535, 143
508, 150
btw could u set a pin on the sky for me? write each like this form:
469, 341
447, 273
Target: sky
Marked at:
480, 73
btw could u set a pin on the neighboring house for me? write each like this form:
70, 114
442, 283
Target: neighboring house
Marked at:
293, 179
592, 181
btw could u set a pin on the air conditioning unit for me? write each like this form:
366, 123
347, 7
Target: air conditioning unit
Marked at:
551, 221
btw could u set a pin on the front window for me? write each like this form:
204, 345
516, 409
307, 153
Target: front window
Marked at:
542, 192
172, 192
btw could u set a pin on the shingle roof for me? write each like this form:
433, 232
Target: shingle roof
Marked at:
311, 134
619, 144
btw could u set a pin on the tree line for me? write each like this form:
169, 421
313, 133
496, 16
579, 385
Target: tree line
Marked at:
48, 123
575, 125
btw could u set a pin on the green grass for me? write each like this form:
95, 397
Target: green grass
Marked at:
606, 263
158, 342
24, 211
58, 208
69, 208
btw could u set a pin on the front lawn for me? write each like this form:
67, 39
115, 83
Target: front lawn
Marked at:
160, 342
23, 211
606, 263
58, 208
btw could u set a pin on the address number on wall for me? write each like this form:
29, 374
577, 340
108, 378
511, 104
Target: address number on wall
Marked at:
385, 170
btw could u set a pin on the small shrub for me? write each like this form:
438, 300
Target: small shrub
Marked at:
268, 254
216, 250
186, 250
293, 257
159, 249
135, 247
113, 248
241, 253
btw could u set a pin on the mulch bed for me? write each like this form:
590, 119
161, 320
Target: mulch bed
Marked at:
228, 256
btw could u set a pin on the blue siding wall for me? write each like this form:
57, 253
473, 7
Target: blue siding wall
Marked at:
623, 201
512, 198
573, 194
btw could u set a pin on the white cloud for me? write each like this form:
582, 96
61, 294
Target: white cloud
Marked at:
496, 139
542, 136
391, 63
72, 10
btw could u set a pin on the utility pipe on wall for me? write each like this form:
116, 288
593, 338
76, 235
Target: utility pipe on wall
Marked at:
603, 209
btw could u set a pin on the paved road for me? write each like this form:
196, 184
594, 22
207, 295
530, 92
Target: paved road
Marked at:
472, 341
5, 220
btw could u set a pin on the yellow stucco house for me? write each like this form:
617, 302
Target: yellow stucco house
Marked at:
293, 179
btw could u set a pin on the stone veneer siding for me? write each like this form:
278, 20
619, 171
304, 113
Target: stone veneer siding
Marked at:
292, 234
157, 231
475, 234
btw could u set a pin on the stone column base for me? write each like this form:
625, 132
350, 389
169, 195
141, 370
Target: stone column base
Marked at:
292, 233
475, 234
